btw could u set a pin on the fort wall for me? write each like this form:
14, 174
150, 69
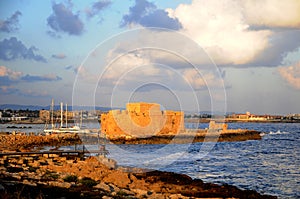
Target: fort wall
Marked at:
141, 120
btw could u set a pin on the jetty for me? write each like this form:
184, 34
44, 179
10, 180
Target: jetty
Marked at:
60, 153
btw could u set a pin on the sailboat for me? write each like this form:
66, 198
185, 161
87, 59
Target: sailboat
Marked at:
61, 128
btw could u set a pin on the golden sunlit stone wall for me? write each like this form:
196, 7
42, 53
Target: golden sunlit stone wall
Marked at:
141, 120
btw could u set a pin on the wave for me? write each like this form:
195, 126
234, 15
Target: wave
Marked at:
278, 132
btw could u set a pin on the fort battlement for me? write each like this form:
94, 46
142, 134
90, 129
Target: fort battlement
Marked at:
141, 120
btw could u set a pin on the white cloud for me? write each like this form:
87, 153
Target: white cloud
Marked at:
291, 74
274, 13
125, 64
12, 75
220, 28
119, 67
87, 76
202, 79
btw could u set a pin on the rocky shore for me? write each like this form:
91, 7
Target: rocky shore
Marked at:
56, 176
21, 142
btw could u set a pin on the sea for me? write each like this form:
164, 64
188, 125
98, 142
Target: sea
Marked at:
270, 165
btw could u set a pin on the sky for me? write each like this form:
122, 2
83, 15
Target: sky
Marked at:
191, 55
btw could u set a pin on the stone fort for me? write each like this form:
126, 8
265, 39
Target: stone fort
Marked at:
141, 120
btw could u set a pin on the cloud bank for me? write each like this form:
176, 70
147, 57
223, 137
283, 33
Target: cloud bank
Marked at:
219, 27
146, 14
11, 24
11, 49
97, 7
9, 80
63, 20
291, 75
272, 13
8, 77
234, 33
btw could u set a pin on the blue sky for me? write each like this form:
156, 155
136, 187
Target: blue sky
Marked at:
211, 55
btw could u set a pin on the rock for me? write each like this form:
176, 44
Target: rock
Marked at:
114, 188
70, 161
17, 176
29, 183
177, 196
59, 184
113, 193
103, 186
106, 197
157, 187
139, 192
42, 183
2, 188
156, 196
132, 177
118, 178
126, 192
110, 163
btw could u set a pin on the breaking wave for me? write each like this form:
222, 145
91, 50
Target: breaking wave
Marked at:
278, 132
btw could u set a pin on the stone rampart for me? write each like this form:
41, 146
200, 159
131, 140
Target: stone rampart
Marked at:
141, 120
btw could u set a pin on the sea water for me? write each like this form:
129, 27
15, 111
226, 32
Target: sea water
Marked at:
269, 166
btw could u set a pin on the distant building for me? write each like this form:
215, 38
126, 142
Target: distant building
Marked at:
293, 116
252, 117
141, 120
213, 126
44, 115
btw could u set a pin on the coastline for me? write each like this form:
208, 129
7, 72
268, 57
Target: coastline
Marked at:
39, 174
231, 120
187, 120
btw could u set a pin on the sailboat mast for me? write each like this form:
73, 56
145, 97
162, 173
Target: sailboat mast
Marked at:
66, 115
61, 114
80, 118
52, 107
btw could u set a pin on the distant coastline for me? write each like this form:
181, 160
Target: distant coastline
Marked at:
187, 120
32, 114
230, 120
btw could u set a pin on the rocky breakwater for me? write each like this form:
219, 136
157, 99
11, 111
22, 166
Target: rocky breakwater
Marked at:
57, 177
21, 142
191, 136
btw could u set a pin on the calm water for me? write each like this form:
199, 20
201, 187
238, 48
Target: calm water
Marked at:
269, 166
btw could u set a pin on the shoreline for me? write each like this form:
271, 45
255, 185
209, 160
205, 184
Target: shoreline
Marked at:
187, 120
90, 178
230, 120
21, 141
36, 175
